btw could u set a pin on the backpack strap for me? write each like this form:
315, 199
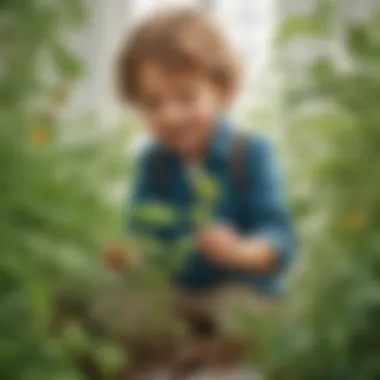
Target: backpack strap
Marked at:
237, 160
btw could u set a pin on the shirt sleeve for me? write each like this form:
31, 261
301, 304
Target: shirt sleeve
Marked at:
267, 201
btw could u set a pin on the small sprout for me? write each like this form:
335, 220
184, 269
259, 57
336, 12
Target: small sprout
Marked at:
201, 215
110, 358
154, 212
205, 186
75, 337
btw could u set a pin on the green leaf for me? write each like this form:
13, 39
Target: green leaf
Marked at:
201, 214
67, 65
359, 42
75, 337
158, 213
185, 244
205, 186
299, 26
322, 68
110, 358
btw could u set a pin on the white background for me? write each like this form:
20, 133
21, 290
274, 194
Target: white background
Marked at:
248, 23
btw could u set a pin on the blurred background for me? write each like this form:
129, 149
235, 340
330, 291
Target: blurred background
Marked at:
249, 25
312, 83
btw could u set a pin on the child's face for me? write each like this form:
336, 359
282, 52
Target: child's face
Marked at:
179, 107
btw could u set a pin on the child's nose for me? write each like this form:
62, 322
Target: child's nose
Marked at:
172, 115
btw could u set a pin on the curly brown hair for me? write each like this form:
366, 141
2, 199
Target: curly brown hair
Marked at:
177, 39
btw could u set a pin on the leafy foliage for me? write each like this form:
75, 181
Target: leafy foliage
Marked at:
55, 211
329, 327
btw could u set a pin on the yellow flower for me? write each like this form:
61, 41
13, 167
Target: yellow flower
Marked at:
40, 136
356, 220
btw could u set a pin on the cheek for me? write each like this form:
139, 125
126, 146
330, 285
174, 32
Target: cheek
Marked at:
203, 112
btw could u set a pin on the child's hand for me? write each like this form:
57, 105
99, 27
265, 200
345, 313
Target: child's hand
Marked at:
225, 248
118, 258
220, 243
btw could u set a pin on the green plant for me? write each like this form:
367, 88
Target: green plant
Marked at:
56, 174
329, 327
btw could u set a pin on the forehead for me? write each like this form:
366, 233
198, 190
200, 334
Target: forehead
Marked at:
154, 76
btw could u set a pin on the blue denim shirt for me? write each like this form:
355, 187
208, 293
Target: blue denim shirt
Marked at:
260, 210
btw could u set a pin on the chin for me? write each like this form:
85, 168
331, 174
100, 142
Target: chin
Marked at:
180, 146
185, 148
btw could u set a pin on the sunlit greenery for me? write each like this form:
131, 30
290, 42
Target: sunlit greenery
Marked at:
57, 214
330, 325
55, 211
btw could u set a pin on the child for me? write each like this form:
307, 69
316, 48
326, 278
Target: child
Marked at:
181, 75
